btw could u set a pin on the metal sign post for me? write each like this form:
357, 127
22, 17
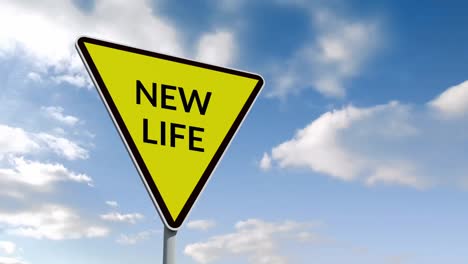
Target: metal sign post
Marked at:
169, 247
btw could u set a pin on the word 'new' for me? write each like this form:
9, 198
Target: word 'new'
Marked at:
166, 96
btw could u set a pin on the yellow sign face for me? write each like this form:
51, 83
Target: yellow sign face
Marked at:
175, 116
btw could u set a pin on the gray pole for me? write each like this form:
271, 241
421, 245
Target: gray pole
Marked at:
169, 250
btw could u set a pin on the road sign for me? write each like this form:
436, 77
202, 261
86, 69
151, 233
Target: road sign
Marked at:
175, 116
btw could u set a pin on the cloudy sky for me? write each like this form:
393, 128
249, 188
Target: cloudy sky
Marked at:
355, 152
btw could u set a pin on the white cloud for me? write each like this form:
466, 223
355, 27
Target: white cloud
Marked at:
392, 144
56, 112
317, 147
58, 131
34, 76
113, 204
255, 239
217, 48
307, 236
321, 146
54, 222
124, 218
338, 53
453, 102
398, 174
7, 247
76, 79
63, 147
36, 24
265, 162
202, 225
135, 238
15, 140
7, 260
40, 175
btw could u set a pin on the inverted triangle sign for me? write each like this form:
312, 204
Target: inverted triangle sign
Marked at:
175, 116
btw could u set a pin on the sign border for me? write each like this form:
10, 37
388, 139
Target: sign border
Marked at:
145, 175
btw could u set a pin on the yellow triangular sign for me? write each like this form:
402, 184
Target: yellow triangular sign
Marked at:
175, 116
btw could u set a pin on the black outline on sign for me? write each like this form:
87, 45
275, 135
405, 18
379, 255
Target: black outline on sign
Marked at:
128, 141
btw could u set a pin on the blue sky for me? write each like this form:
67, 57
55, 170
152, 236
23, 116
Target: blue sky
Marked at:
355, 152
